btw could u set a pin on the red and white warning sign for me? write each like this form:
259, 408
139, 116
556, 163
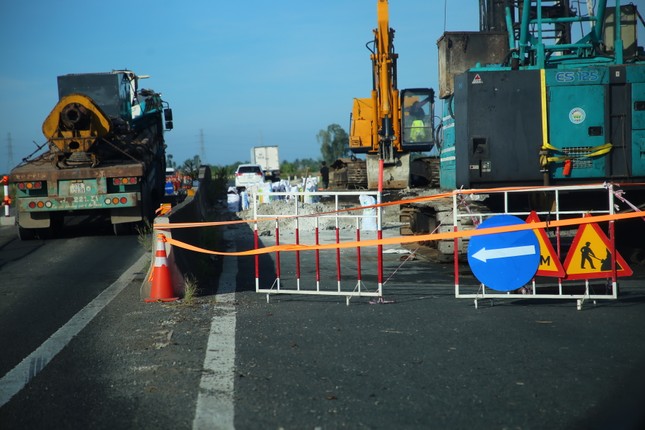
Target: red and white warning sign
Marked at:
550, 264
590, 255
477, 79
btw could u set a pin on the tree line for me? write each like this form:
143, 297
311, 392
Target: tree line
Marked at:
333, 141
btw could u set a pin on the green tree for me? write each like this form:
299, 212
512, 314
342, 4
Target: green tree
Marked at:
223, 177
334, 143
287, 169
170, 162
191, 166
299, 167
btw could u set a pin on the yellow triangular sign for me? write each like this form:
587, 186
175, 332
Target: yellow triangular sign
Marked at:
590, 256
549, 262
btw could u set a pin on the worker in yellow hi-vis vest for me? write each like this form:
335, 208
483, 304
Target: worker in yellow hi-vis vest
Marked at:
417, 127
418, 130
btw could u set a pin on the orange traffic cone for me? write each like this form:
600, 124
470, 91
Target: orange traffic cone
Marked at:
161, 290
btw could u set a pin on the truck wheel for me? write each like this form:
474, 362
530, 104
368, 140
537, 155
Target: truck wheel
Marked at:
56, 225
122, 229
28, 233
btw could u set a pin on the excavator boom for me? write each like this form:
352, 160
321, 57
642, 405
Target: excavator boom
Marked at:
390, 124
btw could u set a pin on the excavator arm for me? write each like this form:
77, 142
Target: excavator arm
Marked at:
375, 127
385, 94
379, 126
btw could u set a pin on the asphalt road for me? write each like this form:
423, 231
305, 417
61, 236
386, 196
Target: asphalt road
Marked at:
423, 360
44, 283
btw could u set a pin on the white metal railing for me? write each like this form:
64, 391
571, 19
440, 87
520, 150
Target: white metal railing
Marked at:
319, 228
541, 290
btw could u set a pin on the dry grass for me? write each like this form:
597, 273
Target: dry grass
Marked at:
144, 231
190, 290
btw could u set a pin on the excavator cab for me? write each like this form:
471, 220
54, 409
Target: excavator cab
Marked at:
417, 119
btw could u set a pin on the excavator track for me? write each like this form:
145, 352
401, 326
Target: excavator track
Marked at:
437, 216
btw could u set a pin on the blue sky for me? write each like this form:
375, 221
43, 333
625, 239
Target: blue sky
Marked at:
244, 73
247, 73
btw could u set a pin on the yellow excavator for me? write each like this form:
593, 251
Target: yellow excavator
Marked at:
389, 125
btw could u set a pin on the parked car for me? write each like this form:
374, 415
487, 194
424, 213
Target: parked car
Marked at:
248, 175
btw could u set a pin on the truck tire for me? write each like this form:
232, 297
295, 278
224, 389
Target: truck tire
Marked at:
25, 234
122, 229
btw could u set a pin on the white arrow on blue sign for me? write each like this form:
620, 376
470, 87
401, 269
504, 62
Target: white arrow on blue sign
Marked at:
504, 261
169, 188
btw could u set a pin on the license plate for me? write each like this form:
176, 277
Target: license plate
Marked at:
77, 188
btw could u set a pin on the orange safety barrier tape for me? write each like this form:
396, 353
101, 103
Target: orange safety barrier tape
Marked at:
444, 195
217, 223
412, 239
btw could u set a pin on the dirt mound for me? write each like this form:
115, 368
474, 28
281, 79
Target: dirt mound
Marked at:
324, 212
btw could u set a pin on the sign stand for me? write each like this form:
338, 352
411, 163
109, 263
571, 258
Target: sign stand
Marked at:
606, 260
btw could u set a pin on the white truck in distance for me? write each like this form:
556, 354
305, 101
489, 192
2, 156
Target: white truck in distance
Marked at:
268, 158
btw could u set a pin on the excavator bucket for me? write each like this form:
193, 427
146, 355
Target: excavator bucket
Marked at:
396, 175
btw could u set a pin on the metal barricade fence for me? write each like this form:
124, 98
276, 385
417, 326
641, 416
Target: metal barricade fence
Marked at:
336, 272
543, 290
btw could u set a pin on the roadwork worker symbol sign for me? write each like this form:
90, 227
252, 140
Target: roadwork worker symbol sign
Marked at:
590, 256
550, 264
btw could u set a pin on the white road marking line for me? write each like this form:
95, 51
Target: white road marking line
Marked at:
215, 408
18, 377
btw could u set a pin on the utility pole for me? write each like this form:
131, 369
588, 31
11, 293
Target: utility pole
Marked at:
202, 151
9, 153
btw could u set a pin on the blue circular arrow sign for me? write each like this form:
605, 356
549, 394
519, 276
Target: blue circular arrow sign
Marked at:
504, 261
169, 188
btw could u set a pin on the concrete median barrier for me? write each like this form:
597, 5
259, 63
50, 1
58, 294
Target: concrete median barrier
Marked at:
193, 209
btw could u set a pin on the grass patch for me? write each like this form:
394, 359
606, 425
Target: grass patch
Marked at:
144, 232
190, 289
